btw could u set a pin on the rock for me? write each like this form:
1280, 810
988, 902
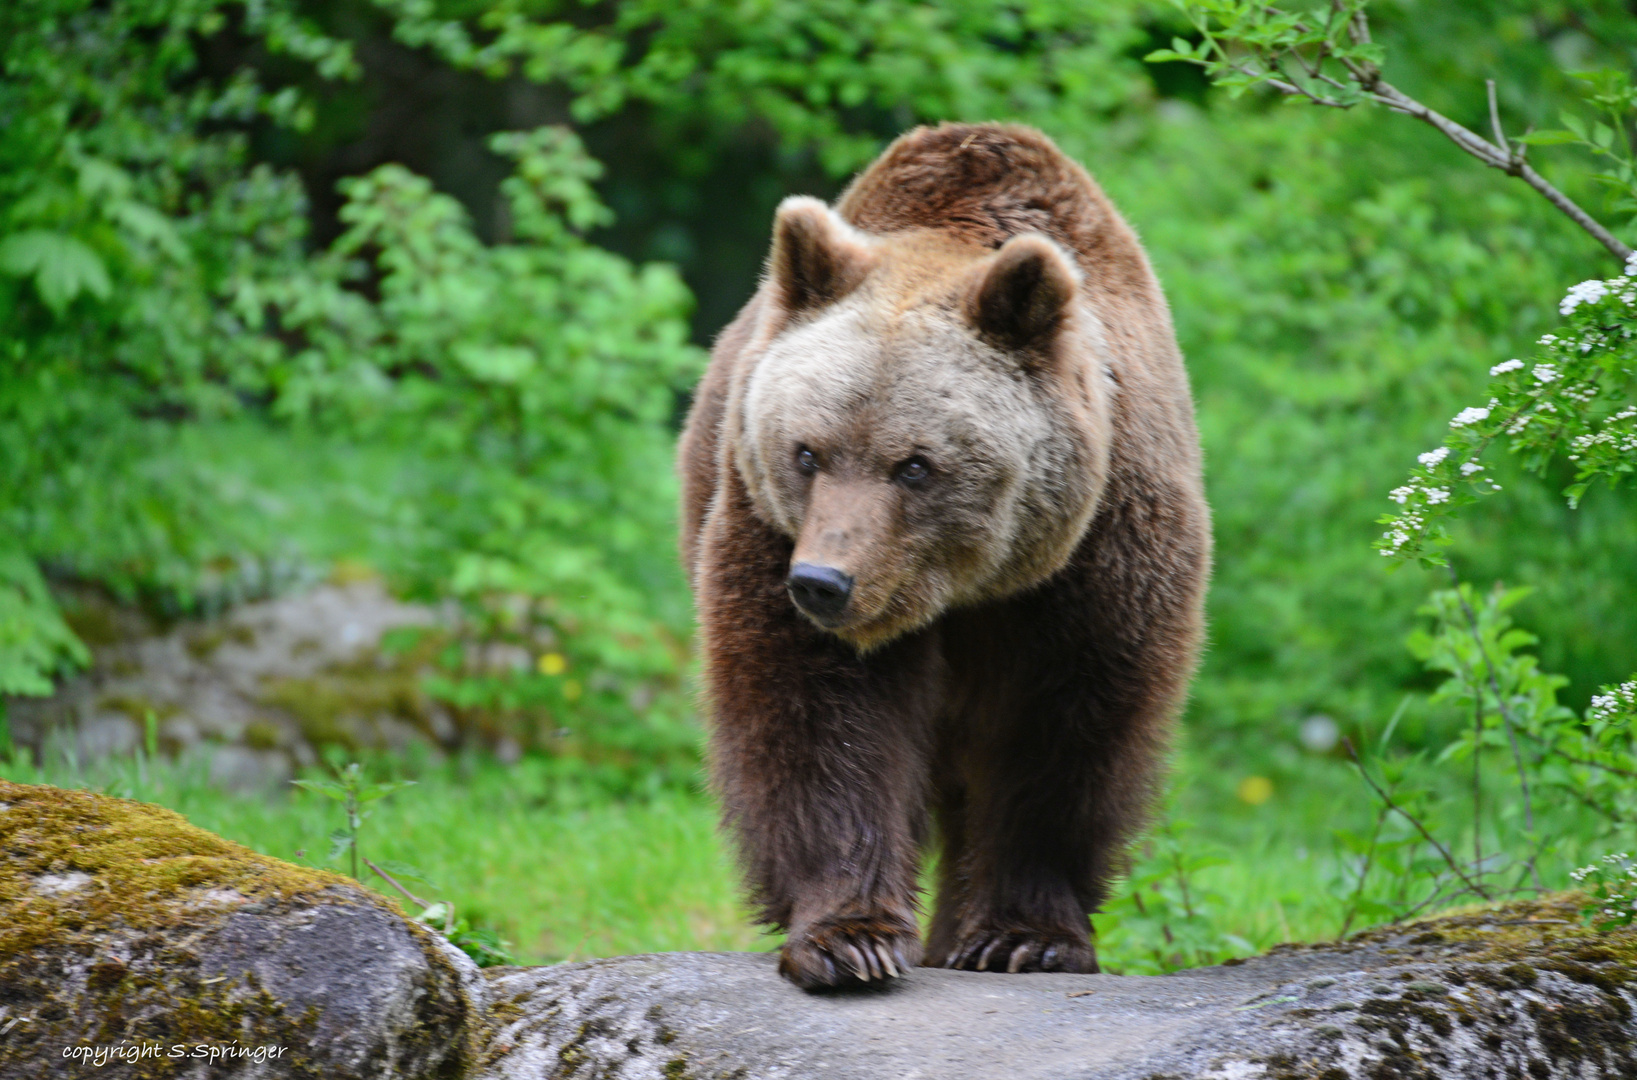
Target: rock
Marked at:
271, 682
239, 768
1524, 991
122, 926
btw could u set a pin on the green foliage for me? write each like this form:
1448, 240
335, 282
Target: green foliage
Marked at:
482, 943
354, 792
1608, 139
1576, 398
1572, 402
1611, 889
34, 640
823, 74
1163, 917
155, 280
1319, 53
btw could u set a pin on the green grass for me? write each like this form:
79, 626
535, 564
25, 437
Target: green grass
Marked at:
558, 876
565, 873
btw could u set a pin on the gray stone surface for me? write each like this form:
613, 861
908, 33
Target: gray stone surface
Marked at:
1382, 1008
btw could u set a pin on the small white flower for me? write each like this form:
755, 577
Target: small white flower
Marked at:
1504, 366
1545, 373
1433, 457
1400, 495
1471, 467
1437, 495
1631, 264
1470, 415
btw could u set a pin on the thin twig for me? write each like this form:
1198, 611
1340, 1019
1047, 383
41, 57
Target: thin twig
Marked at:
1495, 157
1512, 727
1363, 874
1550, 749
1449, 860
1612, 815
390, 880
1477, 781
1495, 116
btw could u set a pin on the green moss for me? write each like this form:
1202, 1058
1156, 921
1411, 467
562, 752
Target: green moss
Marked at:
338, 705
138, 856
204, 643
263, 735
1536, 931
77, 868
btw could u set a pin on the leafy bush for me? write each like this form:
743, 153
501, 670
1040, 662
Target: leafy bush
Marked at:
158, 281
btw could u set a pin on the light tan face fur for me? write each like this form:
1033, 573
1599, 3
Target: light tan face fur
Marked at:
1013, 439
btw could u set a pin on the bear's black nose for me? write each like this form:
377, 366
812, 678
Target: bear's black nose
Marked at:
821, 591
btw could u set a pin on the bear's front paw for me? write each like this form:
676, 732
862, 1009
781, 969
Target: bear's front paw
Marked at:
1013, 950
839, 951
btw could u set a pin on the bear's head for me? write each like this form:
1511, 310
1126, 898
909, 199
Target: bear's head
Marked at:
927, 420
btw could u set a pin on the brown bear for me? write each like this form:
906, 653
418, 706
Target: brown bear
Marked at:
944, 521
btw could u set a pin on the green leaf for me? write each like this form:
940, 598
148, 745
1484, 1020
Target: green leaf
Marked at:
1550, 137
62, 267
371, 792
327, 788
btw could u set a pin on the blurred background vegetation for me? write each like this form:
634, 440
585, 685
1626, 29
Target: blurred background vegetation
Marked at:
418, 289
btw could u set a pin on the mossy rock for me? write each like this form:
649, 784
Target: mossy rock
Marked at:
123, 926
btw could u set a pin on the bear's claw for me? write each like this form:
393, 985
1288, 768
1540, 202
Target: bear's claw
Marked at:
837, 953
1021, 950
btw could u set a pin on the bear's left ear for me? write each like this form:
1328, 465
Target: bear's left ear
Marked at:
817, 258
1022, 295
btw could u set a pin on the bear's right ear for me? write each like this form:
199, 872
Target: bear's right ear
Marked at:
817, 258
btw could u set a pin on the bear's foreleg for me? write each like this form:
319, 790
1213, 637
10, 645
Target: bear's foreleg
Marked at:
1049, 765
820, 758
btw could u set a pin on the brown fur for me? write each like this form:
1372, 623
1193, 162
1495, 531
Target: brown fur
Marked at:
1023, 623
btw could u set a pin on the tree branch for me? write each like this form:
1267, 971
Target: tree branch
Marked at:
1497, 155
1498, 158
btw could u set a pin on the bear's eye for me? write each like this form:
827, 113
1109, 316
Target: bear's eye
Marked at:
913, 470
806, 460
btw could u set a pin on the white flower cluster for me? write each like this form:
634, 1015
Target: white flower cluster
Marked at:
1408, 524
1587, 871
1545, 373
1617, 876
1506, 365
1622, 698
1433, 457
1590, 292
1470, 467
1587, 292
1470, 415
1621, 442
